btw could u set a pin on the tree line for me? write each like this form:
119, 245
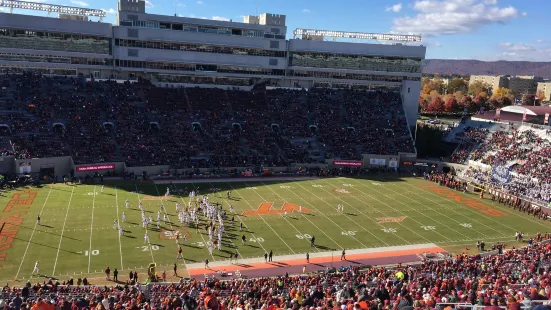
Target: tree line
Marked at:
458, 95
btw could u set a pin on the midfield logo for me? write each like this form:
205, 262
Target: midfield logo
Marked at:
266, 208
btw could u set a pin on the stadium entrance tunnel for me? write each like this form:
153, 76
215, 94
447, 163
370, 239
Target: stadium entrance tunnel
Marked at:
236, 127
108, 126
154, 126
58, 127
5, 128
313, 129
196, 126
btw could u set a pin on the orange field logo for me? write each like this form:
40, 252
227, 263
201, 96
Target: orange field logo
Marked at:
265, 208
381, 220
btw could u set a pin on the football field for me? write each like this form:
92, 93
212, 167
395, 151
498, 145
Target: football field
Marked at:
76, 236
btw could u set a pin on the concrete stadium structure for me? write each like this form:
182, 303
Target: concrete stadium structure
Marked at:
171, 49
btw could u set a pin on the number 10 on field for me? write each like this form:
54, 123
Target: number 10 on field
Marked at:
86, 253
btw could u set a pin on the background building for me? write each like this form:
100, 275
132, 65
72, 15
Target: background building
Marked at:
544, 89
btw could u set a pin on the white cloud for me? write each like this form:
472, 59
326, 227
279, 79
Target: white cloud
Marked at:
220, 18
110, 11
80, 3
521, 51
394, 8
437, 17
181, 5
524, 14
199, 1
148, 4
541, 41
305, 11
517, 47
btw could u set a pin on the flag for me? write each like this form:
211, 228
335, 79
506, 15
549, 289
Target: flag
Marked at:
524, 116
546, 120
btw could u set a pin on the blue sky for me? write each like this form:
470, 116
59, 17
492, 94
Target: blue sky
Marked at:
456, 29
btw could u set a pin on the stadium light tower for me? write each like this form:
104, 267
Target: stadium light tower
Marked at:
313, 33
61, 9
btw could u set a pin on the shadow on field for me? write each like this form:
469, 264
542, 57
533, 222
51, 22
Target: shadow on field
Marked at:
48, 246
46, 232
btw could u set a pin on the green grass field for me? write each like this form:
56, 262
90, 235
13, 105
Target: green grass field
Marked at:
76, 236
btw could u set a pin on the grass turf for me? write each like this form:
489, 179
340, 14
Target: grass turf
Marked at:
76, 236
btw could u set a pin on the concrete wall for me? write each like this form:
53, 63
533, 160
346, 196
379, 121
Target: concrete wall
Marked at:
7, 164
354, 48
410, 100
61, 165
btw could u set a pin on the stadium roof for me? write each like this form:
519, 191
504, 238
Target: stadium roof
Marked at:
530, 110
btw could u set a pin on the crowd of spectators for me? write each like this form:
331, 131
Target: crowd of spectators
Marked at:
511, 278
525, 152
141, 124
470, 139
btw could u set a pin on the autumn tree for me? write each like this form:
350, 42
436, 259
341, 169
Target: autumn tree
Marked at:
530, 99
478, 87
503, 92
457, 84
430, 85
437, 105
451, 105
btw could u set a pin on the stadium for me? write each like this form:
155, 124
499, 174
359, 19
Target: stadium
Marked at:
174, 162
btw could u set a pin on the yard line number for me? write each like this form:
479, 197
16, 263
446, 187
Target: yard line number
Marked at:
466, 225
93, 252
146, 248
428, 227
389, 230
304, 236
251, 187
348, 233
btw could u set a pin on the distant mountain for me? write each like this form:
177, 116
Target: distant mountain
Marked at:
470, 67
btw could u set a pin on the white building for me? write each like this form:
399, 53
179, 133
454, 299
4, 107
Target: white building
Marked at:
169, 49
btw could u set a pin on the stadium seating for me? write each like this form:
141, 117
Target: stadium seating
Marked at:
526, 149
518, 278
143, 125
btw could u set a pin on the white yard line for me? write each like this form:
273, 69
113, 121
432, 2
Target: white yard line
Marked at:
91, 228
285, 218
479, 213
343, 213
306, 217
119, 222
32, 234
252, 207
164, 211
424, 214
149, 243
63, 230
244, 225
445, 208
371, 218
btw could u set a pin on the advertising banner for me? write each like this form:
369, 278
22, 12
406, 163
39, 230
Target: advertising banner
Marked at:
377, 161
85, 168
348, 163
393, 163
